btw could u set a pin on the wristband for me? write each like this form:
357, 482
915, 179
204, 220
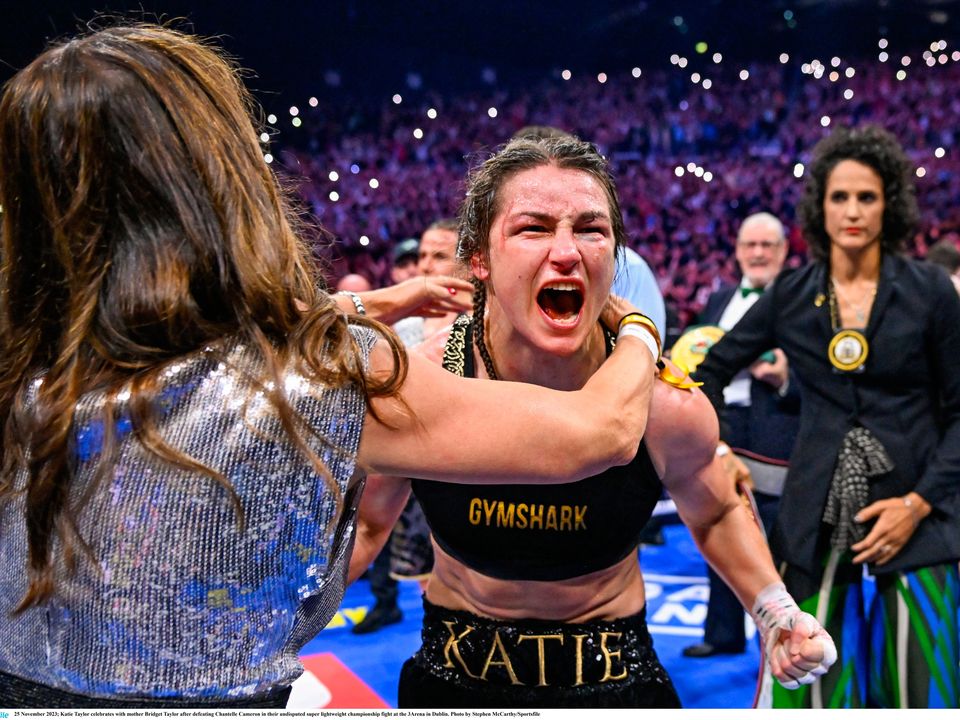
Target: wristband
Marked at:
357, 302
642, 334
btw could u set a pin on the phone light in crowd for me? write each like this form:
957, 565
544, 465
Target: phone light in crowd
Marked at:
849, 72
432, 113
566, 74
418, 133
296, 122
492, 112
825, 120
678, 171
268, 158
682, 62
271, 118
334, 176
905, 61
698, 171
374, 183
264, 137
334, 195
939, 152
717, 58
674, 59
397, 99
835, 62
834, 76
707, 84
708, 176
700, 47
955, 55
691, 166
806, 69
294, 110
602, 78
942, 59
364, 240
784, 58
798, 170
744, 74
695, 78
636, 72
921, 171
313, 102
901, 74
883, 57
848, 94
882, 43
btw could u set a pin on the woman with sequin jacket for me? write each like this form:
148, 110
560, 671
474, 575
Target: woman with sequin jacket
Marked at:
187, 419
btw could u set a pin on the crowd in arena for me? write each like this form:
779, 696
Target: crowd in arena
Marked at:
397, 168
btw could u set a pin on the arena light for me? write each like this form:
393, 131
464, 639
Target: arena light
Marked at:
333, 175
884, 57
674, 59
432, 113
264, 137
601, 78
818, 72
698, 172
418, 133
931, 62
492, 112
334, 196
939, 152
942, 45
927, 54
268, 158
354, 169
678, 171
636, 72
684, 105
271, 118
374, 183
921, 171
682, 62
744, 74
934, 46
850, 72
397, 99
566, 74
708, 176
882, 43
798, 170
835, 61
691, 166
905, 61
806, 69
695, 78
901, 74
943, 59
701, 48
834, 76
825, 120
364, 240
848, 94
784, 58
313, 102
955, 55
294, 110
296, 122
717, 58
707, 84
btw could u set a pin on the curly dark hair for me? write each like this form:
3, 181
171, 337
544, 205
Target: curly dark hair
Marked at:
877, 148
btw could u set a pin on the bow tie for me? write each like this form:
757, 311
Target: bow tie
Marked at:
748, 291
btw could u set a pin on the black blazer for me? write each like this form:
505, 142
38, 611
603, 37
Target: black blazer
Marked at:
908, 396
768, 427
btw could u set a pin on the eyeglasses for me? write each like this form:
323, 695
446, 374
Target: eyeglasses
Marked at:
761, 244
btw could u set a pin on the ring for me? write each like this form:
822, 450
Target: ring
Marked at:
885, 549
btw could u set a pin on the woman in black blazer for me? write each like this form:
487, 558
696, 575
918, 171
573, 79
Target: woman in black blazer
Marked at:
874, 477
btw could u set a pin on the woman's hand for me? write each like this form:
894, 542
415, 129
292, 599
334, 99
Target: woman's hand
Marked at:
897, 519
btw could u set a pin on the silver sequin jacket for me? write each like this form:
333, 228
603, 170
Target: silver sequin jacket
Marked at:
180, 601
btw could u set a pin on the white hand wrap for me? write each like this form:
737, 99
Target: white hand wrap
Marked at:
774, 611
640, 332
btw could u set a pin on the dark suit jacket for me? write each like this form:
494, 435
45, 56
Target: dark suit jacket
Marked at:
768, 427
908, 396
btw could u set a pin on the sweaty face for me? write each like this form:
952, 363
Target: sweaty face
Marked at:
853, 206
760, 254
551, 251
438, 253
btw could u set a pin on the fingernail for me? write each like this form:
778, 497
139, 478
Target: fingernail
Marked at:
857, 518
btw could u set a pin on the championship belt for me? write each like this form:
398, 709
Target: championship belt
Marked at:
691, 348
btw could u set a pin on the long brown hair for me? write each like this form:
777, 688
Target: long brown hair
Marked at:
141, 223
